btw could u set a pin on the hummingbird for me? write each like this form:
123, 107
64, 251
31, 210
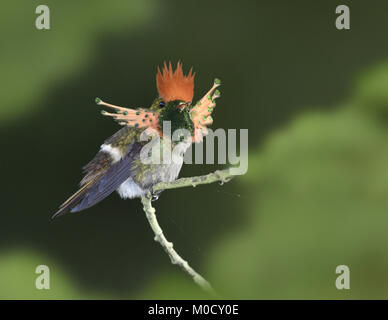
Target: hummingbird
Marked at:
119, 165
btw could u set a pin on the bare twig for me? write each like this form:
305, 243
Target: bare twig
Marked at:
222, 176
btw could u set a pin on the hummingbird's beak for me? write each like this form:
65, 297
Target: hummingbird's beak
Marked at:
183, 105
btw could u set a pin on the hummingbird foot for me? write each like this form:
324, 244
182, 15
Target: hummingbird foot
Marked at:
156, 195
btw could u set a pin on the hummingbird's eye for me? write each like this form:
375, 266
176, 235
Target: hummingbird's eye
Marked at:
162, 104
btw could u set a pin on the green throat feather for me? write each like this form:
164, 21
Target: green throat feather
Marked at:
179, 118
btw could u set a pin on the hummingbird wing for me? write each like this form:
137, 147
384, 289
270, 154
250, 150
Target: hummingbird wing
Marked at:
110, 181
103, 175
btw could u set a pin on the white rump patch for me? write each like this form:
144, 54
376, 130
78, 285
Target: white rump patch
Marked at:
114, 152
129, 189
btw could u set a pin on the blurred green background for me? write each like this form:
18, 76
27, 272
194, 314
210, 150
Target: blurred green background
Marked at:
315, 101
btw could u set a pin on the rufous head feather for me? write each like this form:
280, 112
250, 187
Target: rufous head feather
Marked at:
201, 113
174, 85
137, 118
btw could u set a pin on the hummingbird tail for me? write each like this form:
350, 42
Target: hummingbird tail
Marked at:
101, 186
72, 201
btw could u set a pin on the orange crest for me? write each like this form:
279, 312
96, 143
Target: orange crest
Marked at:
174, 85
